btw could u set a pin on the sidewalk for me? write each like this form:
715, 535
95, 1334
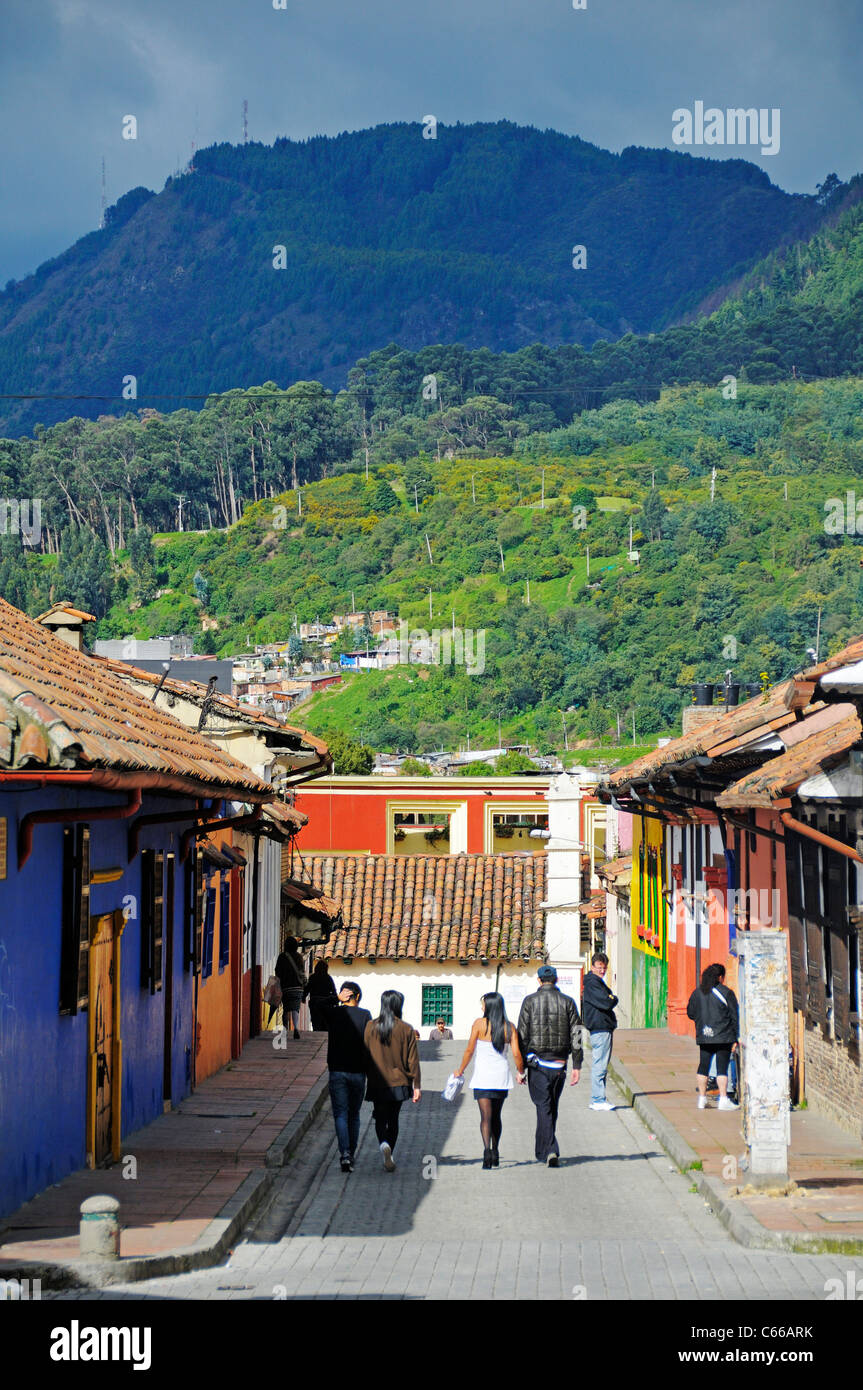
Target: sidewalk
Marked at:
202, 1171
824, 1212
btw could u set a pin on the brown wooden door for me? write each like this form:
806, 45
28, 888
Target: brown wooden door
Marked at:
101, 1034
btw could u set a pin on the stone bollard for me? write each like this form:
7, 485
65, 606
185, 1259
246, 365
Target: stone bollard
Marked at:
100, 1228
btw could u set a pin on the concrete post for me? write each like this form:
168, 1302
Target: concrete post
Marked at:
764, 1044
100, 1228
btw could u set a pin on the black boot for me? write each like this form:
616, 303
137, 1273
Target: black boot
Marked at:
486, 1158
495, 1156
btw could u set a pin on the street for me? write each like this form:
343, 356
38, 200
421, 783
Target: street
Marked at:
614, 1221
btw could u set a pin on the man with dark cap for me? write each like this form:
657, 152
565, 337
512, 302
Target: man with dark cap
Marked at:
549, 1030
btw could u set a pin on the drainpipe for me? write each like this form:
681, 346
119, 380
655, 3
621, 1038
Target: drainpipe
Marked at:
67, 817
818, 835
161, 817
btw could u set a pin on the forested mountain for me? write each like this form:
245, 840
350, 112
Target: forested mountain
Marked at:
736, 570
466, 238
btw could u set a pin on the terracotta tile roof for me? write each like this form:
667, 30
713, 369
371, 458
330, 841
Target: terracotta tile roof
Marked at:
285, 817
311, 899
615, 867
220, 703
63, 711
825, 745
435, 907
727, 733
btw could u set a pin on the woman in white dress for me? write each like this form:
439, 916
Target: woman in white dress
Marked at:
492, 1078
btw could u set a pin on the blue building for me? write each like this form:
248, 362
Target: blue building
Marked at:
101, 915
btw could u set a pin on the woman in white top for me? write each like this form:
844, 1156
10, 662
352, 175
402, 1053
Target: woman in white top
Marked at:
492, 1078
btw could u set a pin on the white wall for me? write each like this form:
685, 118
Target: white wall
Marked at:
468, 983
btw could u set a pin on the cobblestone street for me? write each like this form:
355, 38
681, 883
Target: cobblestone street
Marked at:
614, 1221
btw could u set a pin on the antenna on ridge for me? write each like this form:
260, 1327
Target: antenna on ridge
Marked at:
104, 196
245, 122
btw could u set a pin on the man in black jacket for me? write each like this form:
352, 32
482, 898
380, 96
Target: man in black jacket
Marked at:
597, 1002
549, 1029
347, 1061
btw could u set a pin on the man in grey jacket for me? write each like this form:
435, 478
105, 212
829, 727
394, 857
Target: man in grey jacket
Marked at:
549, 1029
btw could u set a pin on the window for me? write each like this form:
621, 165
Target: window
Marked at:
75, 932
421, 832
510, 830
195, 909
152, 918
224, 922
437, 1003
209, 931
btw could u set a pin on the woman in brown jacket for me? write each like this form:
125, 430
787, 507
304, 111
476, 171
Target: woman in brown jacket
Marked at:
393, 1070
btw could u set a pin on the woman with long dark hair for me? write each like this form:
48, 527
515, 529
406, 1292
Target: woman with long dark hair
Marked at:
393, 1070
714, 1011
292, 977
490, 1036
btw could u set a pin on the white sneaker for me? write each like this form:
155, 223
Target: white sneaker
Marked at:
602, 1105
389, 1161
726, 1104
703, 1103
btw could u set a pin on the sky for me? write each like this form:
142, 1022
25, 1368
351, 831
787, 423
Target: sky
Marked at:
612, 72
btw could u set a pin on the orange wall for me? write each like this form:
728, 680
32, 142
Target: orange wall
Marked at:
215, 1009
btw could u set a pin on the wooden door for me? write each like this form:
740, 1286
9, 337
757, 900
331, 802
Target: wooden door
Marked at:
102, 1051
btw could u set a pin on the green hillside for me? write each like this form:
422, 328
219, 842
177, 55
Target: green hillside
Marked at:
737, 582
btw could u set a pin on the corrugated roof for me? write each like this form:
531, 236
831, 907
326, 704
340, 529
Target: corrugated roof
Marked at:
62, 710
435, 907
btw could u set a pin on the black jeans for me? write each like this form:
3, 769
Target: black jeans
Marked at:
386, 1115
545, 1089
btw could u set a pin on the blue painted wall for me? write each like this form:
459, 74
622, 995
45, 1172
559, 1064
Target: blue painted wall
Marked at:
43, 1056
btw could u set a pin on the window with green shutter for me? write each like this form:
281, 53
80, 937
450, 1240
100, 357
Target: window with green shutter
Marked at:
437, 1003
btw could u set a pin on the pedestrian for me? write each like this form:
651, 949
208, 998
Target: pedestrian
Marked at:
393, 1070
549, 1029
714, 1011
490, 1035
347, 1061
321, 994
597, 1003
440, 1032
292, 978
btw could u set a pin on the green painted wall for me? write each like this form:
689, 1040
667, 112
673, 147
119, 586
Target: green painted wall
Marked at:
649, 991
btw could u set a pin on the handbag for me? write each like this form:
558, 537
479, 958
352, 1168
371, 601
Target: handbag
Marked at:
452, 1087
273, 992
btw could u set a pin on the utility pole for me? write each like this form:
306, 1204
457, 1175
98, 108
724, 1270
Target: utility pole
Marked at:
713, 482
416, 499
587, 548
430, 605
353, 604
299, 503
428, 547
565, 743
180, 501
785, 491
473, 487
502, 561
527, 596
818, 638
245, 122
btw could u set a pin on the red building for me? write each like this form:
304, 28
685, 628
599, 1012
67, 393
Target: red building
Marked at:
423, 815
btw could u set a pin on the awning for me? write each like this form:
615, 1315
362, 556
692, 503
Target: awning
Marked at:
215, 856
